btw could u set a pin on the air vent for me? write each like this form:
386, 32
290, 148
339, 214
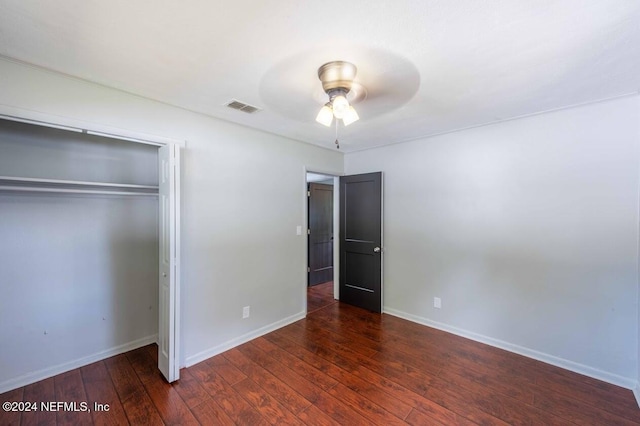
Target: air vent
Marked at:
241, 106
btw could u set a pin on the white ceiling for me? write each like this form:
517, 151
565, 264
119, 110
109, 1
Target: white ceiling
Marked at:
428, 66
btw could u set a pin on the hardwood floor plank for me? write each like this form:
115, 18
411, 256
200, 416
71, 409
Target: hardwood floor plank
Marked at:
371, 333
296, 373
313, 416
408, 376
375, 391
339, 354
363, 406
274, 412
152, 350
70, 389
9, 417
123, 376
42, 391
320, 296
339, 411
271, 383
210, 413
290, 354
412, 398
359, 344
494, 380
496, 404
424, 362
228, 371
100, 390
233, 404
141, 411
190, 390
608, 398
454, 402
338, 327
417, 418
167, 400
577, 411
143, 363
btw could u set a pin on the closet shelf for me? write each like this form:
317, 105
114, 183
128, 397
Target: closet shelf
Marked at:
24, 184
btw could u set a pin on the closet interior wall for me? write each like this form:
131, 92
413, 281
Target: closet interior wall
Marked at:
78, 268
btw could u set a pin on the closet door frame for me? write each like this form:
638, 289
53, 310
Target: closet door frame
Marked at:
79, 126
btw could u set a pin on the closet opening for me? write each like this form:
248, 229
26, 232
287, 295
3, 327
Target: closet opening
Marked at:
89, 248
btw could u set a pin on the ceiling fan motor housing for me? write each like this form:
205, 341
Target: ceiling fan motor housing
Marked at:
337, 76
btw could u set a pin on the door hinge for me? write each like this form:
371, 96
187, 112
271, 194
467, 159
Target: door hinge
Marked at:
308, 231
308, 193
308, 269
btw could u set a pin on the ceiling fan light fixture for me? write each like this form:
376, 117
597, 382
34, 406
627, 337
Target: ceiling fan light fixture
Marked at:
325, 116
350, 116
340, 106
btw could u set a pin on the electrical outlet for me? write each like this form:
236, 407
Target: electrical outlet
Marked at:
437, 303
246, 311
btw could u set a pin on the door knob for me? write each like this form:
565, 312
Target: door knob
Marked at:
376, 250
164, 274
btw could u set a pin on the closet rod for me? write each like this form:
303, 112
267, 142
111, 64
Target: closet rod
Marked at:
73, 191
74, 182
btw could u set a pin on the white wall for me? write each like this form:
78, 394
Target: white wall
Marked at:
527, 230
242, 192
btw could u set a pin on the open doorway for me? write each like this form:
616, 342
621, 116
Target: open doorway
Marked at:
321, 239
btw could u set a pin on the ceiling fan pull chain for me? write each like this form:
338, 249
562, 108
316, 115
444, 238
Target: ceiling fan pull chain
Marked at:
337, 143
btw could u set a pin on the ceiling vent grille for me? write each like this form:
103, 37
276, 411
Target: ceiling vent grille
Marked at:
241, 106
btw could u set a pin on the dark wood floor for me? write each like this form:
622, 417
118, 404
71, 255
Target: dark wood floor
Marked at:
320, 296
340, 365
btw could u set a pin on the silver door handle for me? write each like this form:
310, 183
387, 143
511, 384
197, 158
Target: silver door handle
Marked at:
376, 250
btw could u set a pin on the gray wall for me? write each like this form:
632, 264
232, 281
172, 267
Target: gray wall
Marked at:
243, 194
527, 230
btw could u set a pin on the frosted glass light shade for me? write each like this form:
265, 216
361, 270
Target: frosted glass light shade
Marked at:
325, 116
340, 106
350, 116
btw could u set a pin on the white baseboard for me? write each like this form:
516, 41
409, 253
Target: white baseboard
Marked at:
45, 373
530, 353
208, 353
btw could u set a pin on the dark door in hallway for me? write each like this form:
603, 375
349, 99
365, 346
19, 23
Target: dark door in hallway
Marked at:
320, 233
361, 240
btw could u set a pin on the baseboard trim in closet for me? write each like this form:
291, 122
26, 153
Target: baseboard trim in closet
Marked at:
237, 341
45, 373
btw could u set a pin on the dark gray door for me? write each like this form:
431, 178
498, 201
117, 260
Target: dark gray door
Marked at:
361, 240
320, 233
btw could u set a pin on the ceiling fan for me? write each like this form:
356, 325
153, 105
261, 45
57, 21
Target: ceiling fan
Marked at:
337, 81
